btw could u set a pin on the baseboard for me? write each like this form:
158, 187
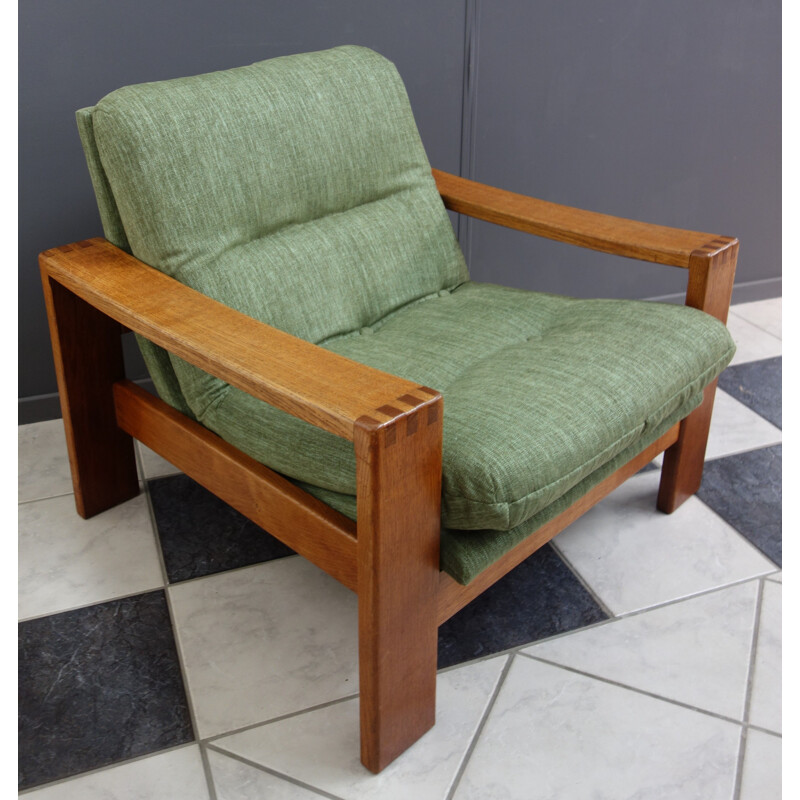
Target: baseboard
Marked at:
748, 292
42, 407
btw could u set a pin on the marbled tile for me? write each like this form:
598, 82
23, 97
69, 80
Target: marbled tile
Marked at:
43, 469
540, 598
321, 748
152, 465
766, 314
765, 697
757, 385
66, 561
96, 686
235, 780
556, 735
200, 534
735, 429
633, 556
175, 775
696, 651
752, 343
264, 641
745, 490
761, 772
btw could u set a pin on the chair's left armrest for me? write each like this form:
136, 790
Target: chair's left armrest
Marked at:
321, 387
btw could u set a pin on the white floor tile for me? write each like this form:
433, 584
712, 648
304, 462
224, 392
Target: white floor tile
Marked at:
736, 428
235, 780
321, 748
696, 651
765, 700
766, 314
43, 461
556, 735
66, 561
264, 641
634, 557
177, 775
153, 465
752, 343
761, 773
776, 576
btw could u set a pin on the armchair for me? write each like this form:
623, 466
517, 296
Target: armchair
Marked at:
278, 242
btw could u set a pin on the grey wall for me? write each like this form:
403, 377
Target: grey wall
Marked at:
668, 112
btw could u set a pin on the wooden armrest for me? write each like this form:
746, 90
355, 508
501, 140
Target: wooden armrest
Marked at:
318, 386
623, 237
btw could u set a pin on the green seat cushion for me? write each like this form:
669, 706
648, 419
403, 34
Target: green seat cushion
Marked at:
465, 554
539, 392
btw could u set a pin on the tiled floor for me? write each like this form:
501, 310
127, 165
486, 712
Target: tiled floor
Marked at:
168, 649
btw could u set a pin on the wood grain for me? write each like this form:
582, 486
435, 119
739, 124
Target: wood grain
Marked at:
314, 530
603, 232
314, 384
399, 475
453, 596
87, 351
712, 269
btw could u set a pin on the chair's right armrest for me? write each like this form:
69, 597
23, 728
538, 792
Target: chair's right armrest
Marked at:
318, 386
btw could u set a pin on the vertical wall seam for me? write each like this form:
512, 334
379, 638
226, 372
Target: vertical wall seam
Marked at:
469, 106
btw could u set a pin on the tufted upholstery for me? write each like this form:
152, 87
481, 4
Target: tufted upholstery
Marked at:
297, 191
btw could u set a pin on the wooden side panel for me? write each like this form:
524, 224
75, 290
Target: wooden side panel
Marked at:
399, 473
311, 528
453, 596
711, 272
88, 359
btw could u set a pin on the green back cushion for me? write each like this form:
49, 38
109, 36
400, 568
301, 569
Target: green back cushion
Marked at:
295, 190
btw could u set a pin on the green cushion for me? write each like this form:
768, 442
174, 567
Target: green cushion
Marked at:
539, 392
297, 191
465, 554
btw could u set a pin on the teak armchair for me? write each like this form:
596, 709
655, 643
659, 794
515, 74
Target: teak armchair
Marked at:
390, 553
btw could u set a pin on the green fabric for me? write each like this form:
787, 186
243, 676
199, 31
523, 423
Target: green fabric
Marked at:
297, 191
539, 392
465, 554
109, 215
156, 358
294, 190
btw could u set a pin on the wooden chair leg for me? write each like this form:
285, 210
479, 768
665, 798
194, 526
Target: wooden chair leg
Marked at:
711, 273
682, 471
88, 357
399, 469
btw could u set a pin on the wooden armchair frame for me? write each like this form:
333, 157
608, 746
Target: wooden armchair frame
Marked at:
390, 557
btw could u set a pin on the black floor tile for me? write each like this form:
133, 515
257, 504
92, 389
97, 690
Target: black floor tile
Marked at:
539, 598
201, 535
745, 490
757, 384
98, 685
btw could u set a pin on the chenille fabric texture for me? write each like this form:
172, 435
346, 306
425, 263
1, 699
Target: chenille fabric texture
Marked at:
297, 191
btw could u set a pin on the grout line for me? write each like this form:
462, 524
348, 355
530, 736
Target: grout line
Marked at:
479, 730
217, 736
39, 499
761, 729
626, 686
749, 689
113, 599
105, 768
274, 773
212, 789
583, 582
754, 324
